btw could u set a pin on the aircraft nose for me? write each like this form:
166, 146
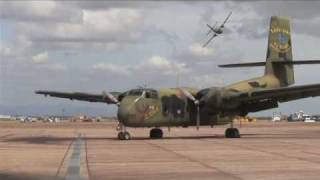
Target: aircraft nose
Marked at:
125, 113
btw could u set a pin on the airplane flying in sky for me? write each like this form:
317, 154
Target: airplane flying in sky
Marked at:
146, 107
214, 31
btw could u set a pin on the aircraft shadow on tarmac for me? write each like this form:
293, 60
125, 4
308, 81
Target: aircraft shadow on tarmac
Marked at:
61, 140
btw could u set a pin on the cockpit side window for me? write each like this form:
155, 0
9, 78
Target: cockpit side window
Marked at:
152, 94
149, 93
135, 92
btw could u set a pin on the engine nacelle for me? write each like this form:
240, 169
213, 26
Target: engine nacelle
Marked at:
210, 99
258, 106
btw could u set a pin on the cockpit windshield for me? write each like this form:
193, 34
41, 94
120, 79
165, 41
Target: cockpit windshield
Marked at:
135, 92
148, 93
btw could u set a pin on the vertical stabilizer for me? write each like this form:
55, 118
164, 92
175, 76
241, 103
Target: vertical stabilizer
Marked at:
280, 49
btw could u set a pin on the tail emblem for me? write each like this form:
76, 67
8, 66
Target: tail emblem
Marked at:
281, 42
283, 39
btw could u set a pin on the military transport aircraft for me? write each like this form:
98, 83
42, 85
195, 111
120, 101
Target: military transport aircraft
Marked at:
215, 31
185, 107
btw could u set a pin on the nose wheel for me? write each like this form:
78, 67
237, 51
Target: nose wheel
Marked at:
123, 134
156, 133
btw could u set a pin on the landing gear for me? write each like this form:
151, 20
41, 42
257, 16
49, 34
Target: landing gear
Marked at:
156, 133
123, 134
232, 133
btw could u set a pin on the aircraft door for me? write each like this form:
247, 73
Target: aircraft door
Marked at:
173, 109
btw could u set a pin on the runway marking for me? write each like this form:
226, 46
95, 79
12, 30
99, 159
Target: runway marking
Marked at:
64, 158
194, 160
73, 172
87, 159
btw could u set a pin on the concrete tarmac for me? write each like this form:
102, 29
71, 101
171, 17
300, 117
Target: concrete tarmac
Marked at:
266, 150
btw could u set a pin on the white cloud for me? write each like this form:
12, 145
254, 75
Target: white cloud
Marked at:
5, 51
108, 67
158, 64
154, 65
40, 11
197, 50
112, 20
110, 29
159, 61
207, 80
40, 58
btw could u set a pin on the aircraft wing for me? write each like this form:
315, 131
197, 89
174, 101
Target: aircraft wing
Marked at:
224, 22
213, 36
103, 97
282, 94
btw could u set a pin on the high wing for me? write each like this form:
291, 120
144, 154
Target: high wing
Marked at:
213, 36
282, 94
109, 98
224, 22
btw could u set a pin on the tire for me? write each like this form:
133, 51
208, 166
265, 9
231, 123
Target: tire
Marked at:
120, 136
156, 133
232, 133
126, 136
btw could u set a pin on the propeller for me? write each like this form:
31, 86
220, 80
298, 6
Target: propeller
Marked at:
110, 97
196, 102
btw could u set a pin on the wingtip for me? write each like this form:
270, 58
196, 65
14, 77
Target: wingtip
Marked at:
39, 92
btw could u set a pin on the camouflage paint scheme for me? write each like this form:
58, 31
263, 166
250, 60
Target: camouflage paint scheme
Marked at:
218, 105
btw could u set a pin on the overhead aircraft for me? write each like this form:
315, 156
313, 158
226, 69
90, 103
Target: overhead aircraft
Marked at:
147, 107
215, 31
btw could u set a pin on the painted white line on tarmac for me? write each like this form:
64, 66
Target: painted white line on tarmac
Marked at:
73, 172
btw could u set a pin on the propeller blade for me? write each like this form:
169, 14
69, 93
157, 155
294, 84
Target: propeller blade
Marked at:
198, 117
111, 97
196, 102
189, 96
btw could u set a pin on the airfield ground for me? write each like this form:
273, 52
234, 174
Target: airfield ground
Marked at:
266, 150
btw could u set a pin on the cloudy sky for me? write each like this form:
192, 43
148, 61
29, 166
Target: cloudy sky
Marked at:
115, 46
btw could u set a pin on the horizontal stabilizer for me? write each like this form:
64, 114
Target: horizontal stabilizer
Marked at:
255, 64
252, 64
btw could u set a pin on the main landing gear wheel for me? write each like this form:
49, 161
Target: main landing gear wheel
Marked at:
156, 133
232, 133
124, 136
